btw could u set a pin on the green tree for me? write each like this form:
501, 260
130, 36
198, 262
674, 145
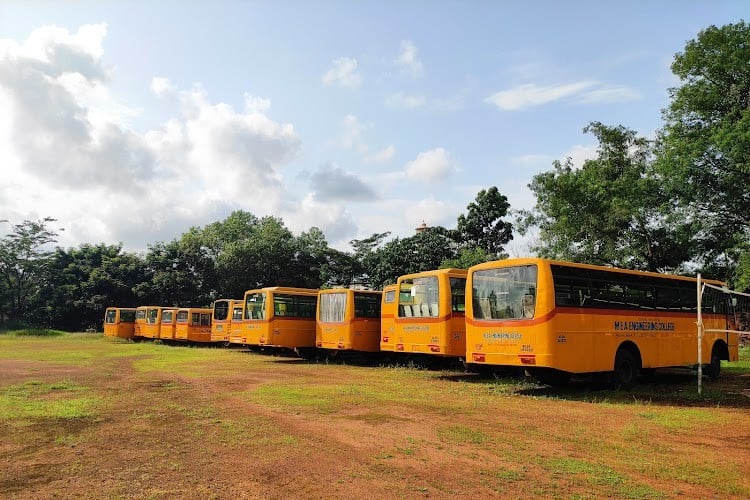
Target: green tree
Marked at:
84, 281
176, 274
422, 252
611, 211
483, 225
704, 147
468, 257
24, 267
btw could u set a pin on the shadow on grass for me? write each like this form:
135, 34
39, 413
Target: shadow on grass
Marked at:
674, 387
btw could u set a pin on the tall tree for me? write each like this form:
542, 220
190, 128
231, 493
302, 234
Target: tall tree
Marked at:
24, 266
483, 225
612, 210
177, 275
422, 252
83, 281
704, 147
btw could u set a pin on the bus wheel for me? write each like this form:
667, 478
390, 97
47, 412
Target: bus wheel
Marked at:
713, 369
626, 368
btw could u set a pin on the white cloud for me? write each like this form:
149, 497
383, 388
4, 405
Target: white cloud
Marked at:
584, 92
431, 166
162, 86
253, 103
352, 133
352, 136
529, 95
405, 101
336, 222
71, 155
332, 183
382, 156
343, 73
607, 94
579, 153
407, 61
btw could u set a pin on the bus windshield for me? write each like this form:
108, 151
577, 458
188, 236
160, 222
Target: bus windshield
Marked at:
111, 316
505, 293
221, 310
255, 306
332, 307
419, 297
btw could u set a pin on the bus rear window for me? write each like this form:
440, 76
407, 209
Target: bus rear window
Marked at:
505, 292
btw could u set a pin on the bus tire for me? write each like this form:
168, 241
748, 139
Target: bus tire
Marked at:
713, 369
626, 368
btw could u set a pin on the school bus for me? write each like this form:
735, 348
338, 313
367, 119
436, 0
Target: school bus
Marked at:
388, 309
119, 322
236, 327
150, 325
559, 318
140, 322
193, 324
280, 317
430, 314
167, 324
348, 320
221, 320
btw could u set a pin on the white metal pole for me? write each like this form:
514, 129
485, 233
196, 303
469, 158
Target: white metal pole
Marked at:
700, 335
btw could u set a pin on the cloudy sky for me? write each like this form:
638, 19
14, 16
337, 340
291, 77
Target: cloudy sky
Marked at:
132, 121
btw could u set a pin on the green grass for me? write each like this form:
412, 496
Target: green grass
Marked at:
596, 476
460, 434
37, 332
36, 400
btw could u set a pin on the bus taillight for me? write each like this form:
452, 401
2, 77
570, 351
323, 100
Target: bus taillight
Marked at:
527, 359
399, 347
434, 348
478, 357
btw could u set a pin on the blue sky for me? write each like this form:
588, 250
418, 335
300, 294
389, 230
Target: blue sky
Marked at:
132, 121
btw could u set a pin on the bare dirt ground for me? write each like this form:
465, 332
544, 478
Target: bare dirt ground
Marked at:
213, 430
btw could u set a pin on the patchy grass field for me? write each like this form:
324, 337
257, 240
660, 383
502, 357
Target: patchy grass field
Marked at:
87, 416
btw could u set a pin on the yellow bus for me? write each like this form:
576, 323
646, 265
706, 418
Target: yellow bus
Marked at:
193, 324
221, 320
236, 326
167, 324
119, 322
348, 320
430, 315
140, 322
388, 309
280, 317
559, 318
150, 325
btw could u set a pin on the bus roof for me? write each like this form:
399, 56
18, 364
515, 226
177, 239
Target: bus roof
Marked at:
353, 290
452, 271
284, 289
536, 260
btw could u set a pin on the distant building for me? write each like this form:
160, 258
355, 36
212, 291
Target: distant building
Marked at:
421, 227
